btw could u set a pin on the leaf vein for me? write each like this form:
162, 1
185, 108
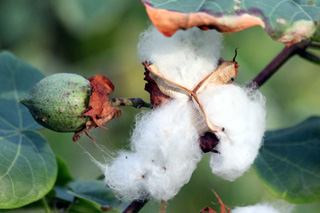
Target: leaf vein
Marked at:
291, 164
40, 156
302, 10
15, 158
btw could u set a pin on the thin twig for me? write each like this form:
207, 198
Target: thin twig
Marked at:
134, 102
135, 206
277, 62
314, 45
310, 57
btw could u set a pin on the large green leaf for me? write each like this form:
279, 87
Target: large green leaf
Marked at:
288, 21
28, 166
289, 162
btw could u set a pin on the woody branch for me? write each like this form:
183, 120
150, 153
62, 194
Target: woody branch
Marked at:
296, 49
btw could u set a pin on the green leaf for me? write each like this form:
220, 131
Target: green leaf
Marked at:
94, 191
85, 206
288, 21
28, 166
64, 176
289, 162
62, 194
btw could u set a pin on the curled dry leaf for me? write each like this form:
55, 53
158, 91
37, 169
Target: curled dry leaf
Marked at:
99, 109
226, 71
168, 22
280, 20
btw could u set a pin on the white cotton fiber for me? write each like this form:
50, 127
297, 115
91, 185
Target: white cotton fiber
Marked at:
125, 175
185, 58
261, 208
167, 141
242, 115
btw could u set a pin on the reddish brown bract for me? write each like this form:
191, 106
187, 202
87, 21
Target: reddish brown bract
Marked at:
156, 96
99, 109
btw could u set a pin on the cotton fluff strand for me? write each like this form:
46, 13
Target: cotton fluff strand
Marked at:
165, 151
242, 115
185, 58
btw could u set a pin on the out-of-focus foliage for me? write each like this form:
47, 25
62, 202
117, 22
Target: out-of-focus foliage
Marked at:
58, 36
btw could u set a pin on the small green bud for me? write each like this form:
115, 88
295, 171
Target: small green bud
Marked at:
57, 101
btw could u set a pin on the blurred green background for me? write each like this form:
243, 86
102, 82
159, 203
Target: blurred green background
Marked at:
100, 37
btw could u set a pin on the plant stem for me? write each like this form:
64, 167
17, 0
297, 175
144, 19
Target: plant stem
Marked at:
277, 62
134, 102
163, 207
310, 57
314, 45
45, 205
135, 206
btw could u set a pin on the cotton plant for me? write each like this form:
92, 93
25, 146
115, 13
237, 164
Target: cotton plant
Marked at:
164, 143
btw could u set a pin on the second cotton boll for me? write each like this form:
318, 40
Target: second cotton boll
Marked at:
165, 152
242, 115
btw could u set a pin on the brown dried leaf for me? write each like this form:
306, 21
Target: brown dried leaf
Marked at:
223, 207
280, 21
169, 22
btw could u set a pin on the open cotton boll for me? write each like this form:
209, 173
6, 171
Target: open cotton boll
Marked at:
242, 115
185, 58
126, 175
168, 139
165, 153
164, 127
261, 208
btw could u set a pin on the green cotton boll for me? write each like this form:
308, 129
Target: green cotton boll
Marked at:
56, 102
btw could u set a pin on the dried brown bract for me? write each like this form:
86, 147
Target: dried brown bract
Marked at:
99, 109
156, 96
222, 75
